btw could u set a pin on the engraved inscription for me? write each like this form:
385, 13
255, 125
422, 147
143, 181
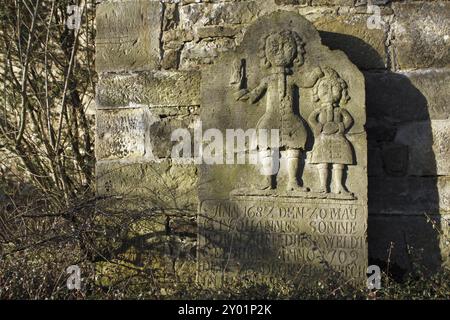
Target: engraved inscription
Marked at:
282, 238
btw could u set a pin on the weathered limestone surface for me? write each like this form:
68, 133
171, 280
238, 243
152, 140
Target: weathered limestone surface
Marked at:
203, 52
418, 148
365, 47
162, 88
405, 63
128, 35
121, 133
332, 2
232, 12
252, 226
145, 185
422, 34
410, 195
408, 96
429, 147
140, 132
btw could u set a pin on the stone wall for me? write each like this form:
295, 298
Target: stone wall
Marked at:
150, 56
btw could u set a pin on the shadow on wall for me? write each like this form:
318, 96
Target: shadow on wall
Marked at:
403, 190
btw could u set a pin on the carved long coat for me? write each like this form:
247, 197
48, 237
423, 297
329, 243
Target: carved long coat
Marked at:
279, 90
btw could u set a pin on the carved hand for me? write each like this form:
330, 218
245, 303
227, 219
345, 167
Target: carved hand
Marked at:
330, 128
241, 95
316, 74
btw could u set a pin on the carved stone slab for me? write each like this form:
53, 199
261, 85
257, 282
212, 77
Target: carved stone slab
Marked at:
267, 239
299, 211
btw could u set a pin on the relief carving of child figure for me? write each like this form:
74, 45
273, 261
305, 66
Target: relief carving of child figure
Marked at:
279, 53
329, 123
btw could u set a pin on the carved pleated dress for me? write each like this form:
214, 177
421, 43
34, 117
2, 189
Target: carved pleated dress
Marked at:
331, 145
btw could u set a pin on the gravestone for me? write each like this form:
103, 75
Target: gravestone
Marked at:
283, 184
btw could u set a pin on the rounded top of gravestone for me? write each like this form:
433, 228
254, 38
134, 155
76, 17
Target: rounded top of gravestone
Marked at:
280, 21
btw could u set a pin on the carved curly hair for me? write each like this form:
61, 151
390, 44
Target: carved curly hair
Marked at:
332, 76
299, 59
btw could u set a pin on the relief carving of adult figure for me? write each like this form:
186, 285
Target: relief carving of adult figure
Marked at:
280, 52
330, 123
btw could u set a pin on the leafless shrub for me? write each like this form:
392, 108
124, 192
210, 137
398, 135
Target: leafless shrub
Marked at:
47, 81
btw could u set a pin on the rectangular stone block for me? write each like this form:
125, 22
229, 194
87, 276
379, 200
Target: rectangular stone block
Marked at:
120, 134
332, 2
291, 2
146, 185
428, 145
197, 54
371, 2
216, 31
128, 35
409, 195
142, 132
162, 132
234, 12
267, 240
421, 34
409, 96
161, 88
305, 218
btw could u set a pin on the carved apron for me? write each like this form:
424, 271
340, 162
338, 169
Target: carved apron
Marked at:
280, 114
